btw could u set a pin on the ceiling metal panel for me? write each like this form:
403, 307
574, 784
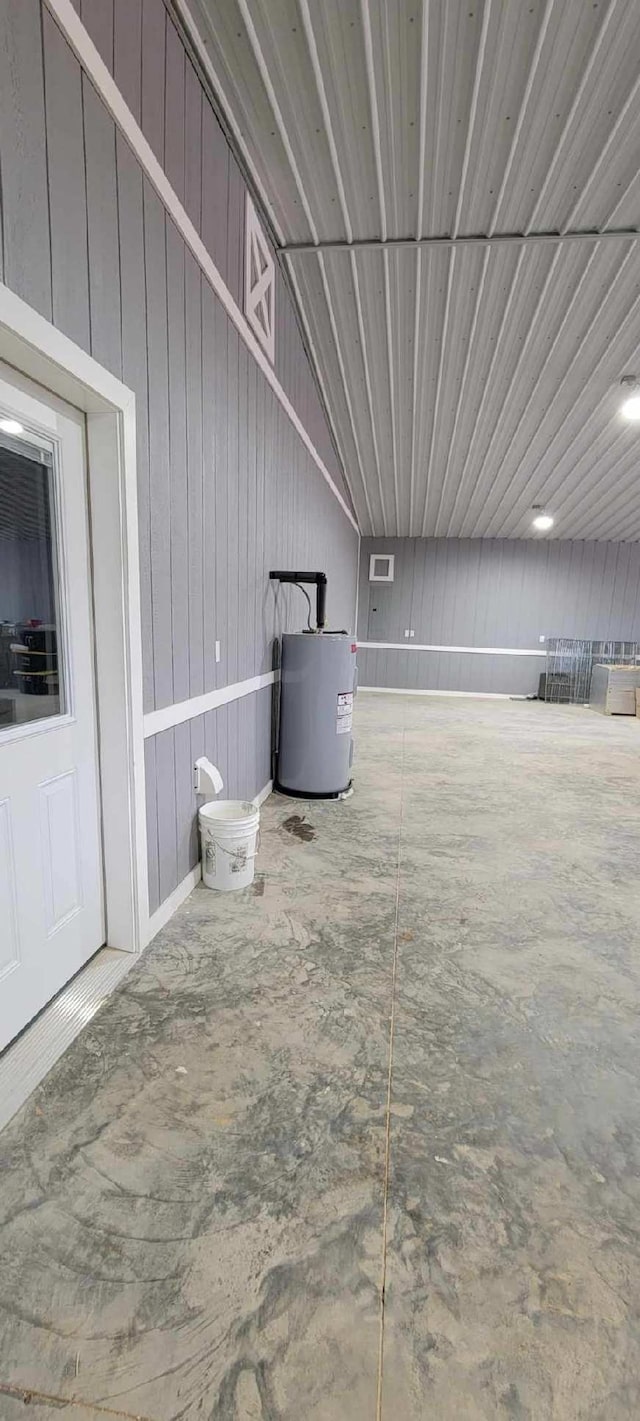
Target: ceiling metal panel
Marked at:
465, 383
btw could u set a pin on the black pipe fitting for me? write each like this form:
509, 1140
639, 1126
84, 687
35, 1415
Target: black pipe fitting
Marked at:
319, 580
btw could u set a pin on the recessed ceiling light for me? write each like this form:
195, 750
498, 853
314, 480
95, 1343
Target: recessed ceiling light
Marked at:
631, 408
543, 522
11, 426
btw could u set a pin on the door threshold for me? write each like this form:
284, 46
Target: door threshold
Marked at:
28, 1059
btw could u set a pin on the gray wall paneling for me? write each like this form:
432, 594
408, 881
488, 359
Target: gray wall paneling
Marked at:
152, 66
151, 782
193, 146
198, 748
195, 474
390, 604
262, 502
179, 502
127, 52
102, 222
218, 611
159, 483
216, 741
174, 109
263, 649
212, 571
142, 47
135, 373
255, 553
231, 418
237, 737
215, 182
248, 638
234, 265
244, 746
492, 592
226, 488
244, 646
446, 671
184, 810
167, 821
67, 193
25, 201
97, 16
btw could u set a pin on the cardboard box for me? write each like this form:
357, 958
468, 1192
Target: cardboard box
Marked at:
613, 689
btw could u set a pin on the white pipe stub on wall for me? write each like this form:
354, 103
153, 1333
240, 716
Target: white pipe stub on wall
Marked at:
207, 778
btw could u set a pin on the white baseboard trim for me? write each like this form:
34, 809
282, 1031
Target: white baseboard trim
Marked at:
264, 794
474, 695
173, 902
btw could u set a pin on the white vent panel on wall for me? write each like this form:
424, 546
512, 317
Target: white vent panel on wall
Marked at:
9, 954
381, 567
259, 282
61, 856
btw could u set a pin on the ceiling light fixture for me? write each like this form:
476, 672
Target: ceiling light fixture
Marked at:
543, 521
11, 426
630, 408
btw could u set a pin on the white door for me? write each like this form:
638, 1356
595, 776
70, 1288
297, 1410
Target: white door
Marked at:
51, 892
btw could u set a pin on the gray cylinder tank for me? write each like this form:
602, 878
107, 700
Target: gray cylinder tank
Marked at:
318, 677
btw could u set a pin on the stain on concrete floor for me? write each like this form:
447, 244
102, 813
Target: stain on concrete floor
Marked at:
299, 827
193, 1204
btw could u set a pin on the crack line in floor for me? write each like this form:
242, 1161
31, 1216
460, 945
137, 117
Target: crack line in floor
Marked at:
392, 1022
26, 1394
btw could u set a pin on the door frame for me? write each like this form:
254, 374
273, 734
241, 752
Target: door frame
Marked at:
34, 348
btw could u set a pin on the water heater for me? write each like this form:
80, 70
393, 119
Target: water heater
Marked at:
317, 686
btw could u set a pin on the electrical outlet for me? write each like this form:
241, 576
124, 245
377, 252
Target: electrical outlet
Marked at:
217, 651
407, 632
542, 638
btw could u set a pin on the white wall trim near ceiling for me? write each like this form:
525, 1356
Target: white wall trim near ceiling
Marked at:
424, 646
158, 720
83, 46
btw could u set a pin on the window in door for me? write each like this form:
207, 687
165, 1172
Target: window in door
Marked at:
32, 681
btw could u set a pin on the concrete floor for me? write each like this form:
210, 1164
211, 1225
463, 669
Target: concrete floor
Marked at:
205, 1203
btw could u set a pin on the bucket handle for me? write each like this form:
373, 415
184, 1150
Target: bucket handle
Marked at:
249, 857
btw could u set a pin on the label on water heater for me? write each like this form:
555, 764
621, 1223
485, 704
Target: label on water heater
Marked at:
344, 713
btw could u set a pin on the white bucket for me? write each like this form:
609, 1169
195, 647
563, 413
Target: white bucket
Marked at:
229, 831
